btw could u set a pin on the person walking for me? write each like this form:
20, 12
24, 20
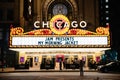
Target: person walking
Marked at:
81, 68
60, 64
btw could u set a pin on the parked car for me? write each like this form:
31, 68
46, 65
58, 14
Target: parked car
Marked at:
110, 67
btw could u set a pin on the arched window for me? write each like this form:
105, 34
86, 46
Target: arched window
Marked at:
60, 9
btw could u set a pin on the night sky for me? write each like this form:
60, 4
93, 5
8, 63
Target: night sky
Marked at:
115, 23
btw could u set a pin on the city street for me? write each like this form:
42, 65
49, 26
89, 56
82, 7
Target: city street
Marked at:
58, 76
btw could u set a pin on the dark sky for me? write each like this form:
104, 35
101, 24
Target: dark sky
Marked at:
115, 23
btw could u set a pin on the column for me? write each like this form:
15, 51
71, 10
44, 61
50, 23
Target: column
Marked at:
81, 10
39, 10
22, 20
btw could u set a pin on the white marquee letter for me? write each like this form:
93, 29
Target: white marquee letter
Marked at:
83, 24
35, 24
45, 24
74, 24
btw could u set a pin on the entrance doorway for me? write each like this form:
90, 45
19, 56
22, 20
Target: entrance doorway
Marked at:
59, 61
36, 62
48, 62
31, 62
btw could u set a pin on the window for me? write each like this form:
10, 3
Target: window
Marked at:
106, 6
104, 12
10, 0
1, 35
2, 0
60, 9
1, 14
106, 1
107, 18
10, 15
7, 0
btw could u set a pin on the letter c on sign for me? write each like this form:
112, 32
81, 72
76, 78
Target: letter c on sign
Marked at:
35, 24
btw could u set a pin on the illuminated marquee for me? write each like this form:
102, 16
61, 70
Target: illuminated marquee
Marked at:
62, 41
59, 35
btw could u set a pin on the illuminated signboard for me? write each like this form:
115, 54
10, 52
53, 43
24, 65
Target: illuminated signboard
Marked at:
62, 41
59, 34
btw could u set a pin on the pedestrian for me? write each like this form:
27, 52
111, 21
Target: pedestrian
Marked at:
81, 68
60, 64
64, 63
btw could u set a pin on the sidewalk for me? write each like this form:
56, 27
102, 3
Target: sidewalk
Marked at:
43, 70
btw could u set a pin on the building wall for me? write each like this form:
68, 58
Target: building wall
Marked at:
85, 56
9, 15
81, 10
10, 12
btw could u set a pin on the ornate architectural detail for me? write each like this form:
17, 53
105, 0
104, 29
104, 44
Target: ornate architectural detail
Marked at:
46, 4
99, 31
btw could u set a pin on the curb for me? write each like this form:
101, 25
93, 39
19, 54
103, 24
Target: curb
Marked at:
46, 71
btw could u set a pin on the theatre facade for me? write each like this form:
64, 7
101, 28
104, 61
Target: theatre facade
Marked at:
52, 31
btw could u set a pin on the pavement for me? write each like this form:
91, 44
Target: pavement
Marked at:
52, 74
4, 70
55, 78
58, 76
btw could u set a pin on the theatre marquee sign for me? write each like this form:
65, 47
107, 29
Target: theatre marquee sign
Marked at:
62, 41
59, 35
